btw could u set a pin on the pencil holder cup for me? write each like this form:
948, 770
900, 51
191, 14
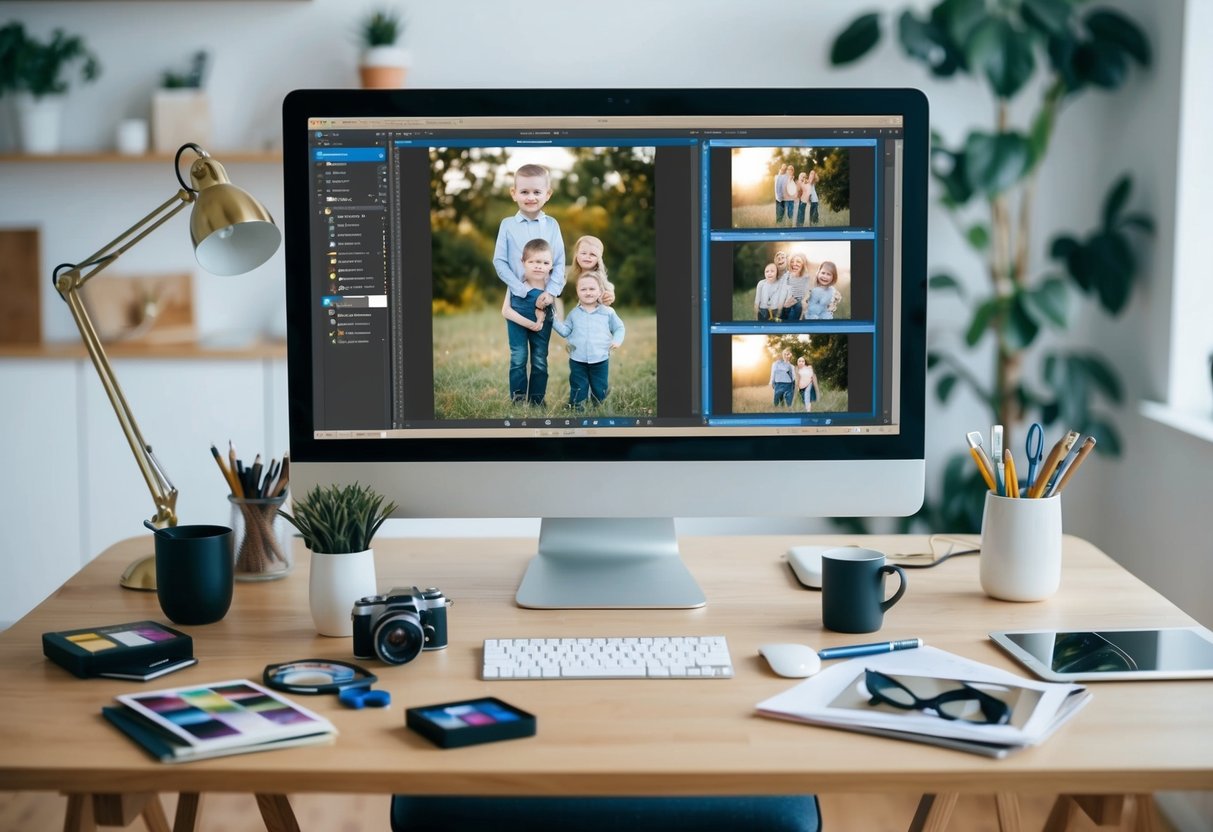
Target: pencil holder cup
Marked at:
1021, 547
261, 540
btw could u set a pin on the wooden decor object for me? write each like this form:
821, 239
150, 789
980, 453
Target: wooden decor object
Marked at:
142, 309
20, 298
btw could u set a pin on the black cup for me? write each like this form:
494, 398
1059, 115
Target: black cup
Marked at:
852, 589
194, 573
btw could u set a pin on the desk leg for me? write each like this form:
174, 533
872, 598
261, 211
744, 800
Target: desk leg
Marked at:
1008, 811
79, 817
1146, 816
86, 811
1103, 811
277, 813
934, 811
189, 807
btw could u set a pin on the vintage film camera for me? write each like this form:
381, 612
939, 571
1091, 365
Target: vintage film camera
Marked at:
397, 626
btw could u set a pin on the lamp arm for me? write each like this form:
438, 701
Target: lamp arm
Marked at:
69, 279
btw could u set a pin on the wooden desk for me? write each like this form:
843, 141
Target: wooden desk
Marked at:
614, 737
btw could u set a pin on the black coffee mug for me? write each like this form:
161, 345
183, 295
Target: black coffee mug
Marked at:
194, 573
852, 589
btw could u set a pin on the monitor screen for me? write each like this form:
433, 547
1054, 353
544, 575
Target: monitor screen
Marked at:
609, 304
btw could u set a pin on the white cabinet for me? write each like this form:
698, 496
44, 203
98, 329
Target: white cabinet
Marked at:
40, 489
71, 487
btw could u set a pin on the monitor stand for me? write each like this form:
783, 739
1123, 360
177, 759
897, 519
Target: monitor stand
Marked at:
598, 563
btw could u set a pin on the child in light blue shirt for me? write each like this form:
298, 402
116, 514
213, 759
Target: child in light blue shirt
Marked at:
593, 331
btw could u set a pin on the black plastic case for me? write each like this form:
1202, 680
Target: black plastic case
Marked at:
470, 722
116, 648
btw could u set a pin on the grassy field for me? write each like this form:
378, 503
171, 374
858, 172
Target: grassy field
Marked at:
763, 216
757, 399
472, 361
743, 305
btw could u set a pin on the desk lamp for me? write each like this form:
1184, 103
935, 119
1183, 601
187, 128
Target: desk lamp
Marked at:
232, 234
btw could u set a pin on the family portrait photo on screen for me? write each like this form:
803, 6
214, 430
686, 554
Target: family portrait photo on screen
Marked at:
792, 372
791, 187
792, 280
544, 281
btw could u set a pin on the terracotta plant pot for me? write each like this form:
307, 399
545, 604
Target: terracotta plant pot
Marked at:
384, 67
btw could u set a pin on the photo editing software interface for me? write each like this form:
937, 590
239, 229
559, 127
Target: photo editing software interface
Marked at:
581, 276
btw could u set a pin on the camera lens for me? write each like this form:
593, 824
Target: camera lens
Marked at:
399, 638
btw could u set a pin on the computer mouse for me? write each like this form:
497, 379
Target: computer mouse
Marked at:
792, 660
806, 564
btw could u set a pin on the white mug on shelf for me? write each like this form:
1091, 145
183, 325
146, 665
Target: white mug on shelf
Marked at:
131, 137
1021, 547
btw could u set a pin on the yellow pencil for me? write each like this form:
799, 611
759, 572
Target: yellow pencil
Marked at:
981, 466
227, 475
983, 461
1008, 462
237, 488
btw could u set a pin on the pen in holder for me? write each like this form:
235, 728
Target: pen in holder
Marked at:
261, 540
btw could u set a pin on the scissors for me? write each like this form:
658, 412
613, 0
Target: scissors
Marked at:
1035, 448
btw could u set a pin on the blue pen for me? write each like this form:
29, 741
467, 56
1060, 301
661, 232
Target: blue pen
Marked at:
852, 650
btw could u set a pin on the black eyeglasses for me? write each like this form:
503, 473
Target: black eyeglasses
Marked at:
951, 704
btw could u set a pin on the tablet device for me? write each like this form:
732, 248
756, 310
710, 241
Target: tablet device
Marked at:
1112, 654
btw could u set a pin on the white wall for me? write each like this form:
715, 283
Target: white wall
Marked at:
638, 43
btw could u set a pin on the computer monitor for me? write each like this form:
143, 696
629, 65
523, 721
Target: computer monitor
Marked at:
737, 228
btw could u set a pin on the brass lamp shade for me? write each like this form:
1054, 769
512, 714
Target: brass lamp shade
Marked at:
232, 232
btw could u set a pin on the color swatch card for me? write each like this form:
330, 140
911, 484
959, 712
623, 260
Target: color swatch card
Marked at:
211, 720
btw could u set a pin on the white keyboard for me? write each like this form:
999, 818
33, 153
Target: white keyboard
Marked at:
664, 657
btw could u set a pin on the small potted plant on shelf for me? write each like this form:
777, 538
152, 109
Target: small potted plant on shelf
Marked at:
384, 64
337, 524
35, 73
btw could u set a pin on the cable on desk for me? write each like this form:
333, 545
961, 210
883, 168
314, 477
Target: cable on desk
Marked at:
936, 558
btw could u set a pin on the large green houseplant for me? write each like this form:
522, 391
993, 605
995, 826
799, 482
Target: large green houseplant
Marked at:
35, 74
338, 523
1051, 51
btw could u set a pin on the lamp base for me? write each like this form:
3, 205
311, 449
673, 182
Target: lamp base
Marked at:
140, 575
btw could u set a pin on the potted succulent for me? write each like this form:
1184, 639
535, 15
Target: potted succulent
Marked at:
337, 524
383, 64
35, 74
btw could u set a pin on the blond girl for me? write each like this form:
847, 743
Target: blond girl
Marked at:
824, 296
587, 257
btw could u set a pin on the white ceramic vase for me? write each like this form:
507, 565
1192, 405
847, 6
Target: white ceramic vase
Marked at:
39, 122
336, 582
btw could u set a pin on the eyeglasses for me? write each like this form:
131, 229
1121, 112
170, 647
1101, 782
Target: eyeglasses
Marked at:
951, 704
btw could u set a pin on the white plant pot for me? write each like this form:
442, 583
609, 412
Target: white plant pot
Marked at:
39, 120
336, 582
384, 67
